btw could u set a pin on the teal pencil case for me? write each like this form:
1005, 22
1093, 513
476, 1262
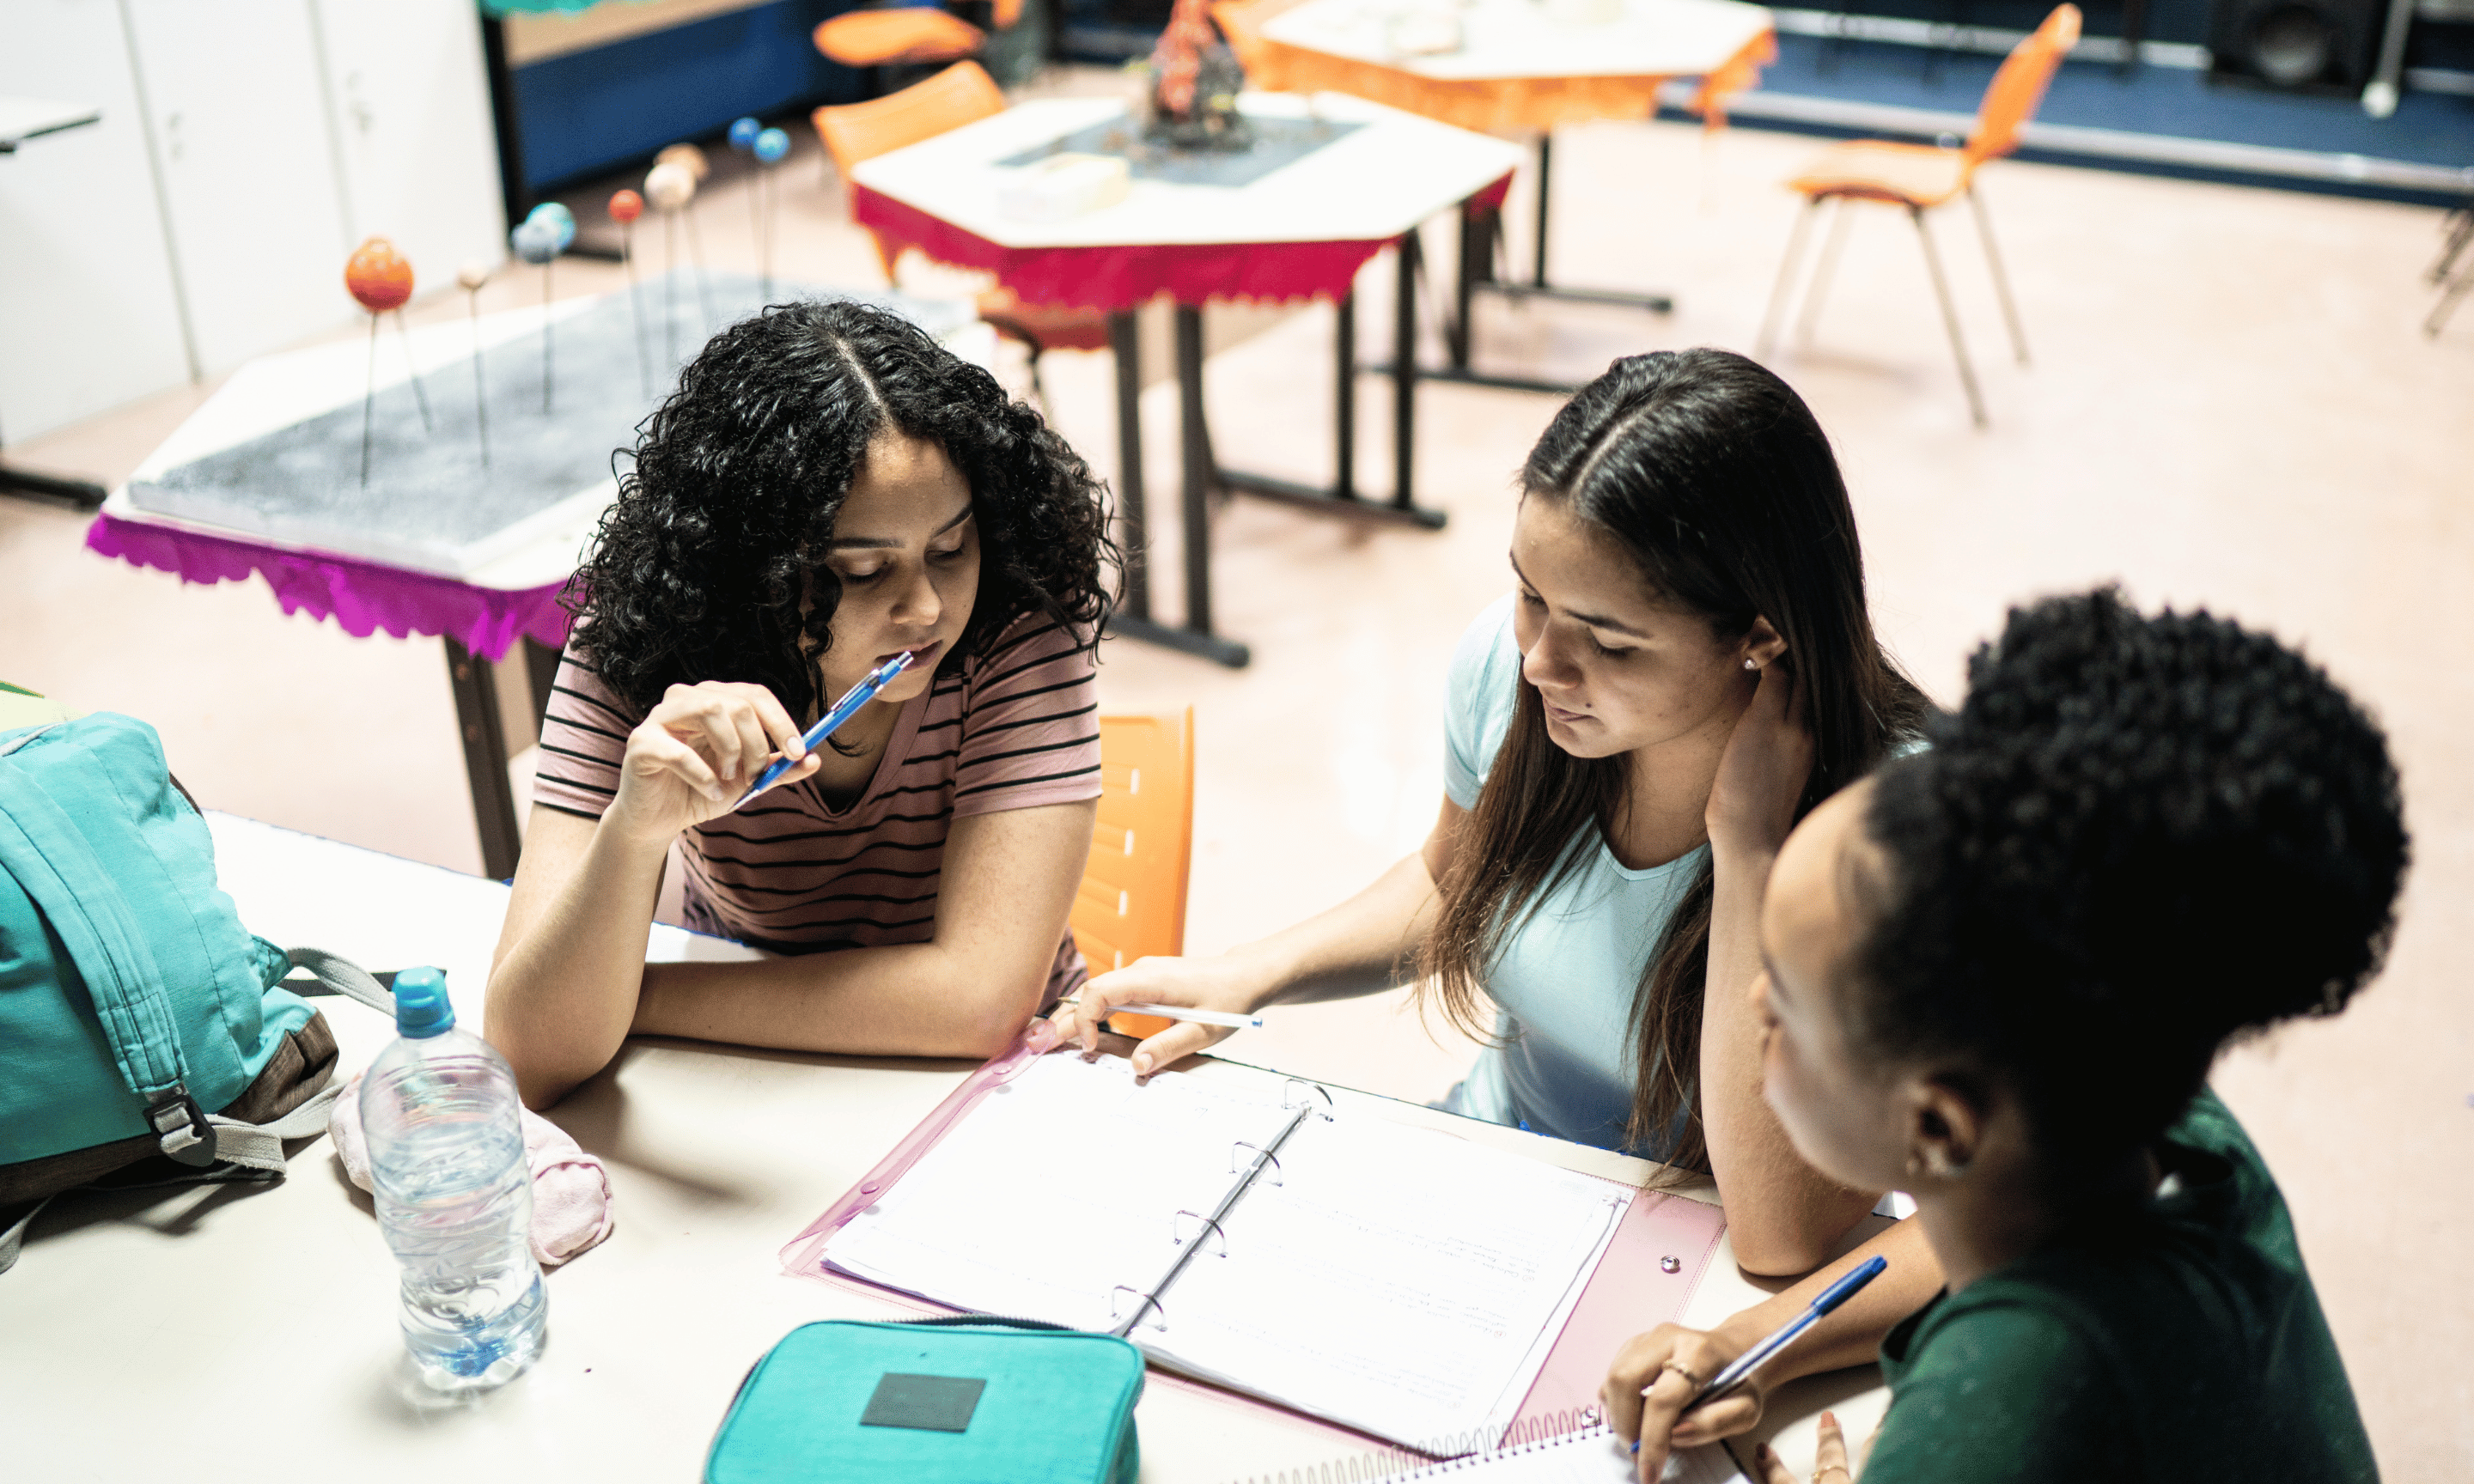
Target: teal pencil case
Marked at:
969, 1399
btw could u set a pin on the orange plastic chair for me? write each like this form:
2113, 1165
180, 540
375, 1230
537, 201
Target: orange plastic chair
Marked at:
961, 94
1920, 177
1131, 904
906, 35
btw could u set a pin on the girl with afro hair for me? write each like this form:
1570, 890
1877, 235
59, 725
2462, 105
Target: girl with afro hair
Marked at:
828, 488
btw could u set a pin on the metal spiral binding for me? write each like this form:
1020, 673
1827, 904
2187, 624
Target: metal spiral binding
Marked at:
1443, 1456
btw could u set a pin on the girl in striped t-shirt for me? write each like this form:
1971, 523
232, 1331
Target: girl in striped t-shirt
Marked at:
828, 488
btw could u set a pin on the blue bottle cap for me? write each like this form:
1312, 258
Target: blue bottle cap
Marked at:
421, 1009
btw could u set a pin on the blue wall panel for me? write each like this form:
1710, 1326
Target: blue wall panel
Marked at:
592, 112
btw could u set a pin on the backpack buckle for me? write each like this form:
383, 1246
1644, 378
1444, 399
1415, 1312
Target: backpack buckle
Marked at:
187, 1137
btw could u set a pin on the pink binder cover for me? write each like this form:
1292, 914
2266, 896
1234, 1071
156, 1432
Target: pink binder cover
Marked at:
1629, 1291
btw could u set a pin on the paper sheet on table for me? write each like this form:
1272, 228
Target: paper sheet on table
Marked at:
1395, 1279
1594, 1456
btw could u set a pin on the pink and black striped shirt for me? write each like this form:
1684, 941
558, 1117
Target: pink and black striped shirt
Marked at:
1010, 729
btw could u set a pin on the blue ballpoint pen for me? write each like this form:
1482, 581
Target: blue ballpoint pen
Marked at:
843, 710
1752, 1360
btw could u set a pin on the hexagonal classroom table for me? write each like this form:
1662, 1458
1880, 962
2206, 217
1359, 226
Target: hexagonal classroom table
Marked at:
1366, 177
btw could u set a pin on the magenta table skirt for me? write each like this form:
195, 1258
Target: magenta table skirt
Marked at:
1121, 277
361, 596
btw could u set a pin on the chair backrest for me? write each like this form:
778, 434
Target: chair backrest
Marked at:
958, 95
2019, 86
1131, 904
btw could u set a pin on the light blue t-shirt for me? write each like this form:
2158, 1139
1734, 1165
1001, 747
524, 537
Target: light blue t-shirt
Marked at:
1568, 971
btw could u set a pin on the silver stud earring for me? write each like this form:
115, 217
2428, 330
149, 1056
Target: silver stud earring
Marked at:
1752, 664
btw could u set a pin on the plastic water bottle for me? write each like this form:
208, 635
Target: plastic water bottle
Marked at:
454, 1193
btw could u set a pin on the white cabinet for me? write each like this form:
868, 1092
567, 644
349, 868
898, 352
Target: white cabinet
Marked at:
411, 120
249, 170
247, 146
87, 314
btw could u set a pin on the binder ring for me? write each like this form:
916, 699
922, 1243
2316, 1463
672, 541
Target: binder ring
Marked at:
1142, 1301
1289, 1100
1210, 1228
1281, 1175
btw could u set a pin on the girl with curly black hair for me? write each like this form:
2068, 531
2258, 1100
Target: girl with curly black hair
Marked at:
828, 488
1997, 974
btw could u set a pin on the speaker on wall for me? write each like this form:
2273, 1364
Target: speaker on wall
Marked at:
2301, 45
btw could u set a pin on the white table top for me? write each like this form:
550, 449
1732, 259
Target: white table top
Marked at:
199, 1331
274, 392
1372, 184
24, 118
1517, 39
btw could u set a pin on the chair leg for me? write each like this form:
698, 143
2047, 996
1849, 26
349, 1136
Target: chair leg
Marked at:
1040, 388
2001, 277
1949, 314
1823, 272
2447, 305
1787, 276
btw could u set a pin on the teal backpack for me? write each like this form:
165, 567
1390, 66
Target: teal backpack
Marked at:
968, 1399
142, 1029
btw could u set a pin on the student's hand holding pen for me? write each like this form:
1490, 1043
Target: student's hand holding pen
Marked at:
1655, 1378
1218, 984
697, 752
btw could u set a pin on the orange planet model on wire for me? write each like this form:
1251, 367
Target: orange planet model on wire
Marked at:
379, 277
626, 206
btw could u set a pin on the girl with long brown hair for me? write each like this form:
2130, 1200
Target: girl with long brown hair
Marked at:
1686, 666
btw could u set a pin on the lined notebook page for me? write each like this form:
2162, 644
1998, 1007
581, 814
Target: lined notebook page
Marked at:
1395, 1279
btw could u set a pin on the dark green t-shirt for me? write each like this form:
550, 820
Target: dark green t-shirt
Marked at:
2181, 1343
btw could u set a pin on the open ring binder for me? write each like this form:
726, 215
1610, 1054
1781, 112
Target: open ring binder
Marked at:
1266, 1157
1392, 1275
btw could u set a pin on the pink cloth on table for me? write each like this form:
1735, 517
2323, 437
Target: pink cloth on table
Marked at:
1125, 276
570, 1188
360, 595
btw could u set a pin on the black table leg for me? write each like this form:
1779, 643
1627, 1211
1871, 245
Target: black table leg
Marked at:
1343, 397
1193, 448
1342, 498
1404, 373
1125, 343
485, 759
1545, 178
541, 668
1133, 619
51, 490
1476, 271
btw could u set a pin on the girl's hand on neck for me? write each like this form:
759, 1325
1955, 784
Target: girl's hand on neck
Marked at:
1763, 774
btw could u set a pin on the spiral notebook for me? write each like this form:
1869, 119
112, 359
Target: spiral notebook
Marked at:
1591, 1454
1244, 1229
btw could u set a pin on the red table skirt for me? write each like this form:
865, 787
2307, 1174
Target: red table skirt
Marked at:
361, 596
1116, 278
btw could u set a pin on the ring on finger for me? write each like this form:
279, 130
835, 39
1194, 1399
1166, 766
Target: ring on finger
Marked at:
1680, 1369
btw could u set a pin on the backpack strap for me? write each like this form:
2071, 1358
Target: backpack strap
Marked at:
339, 975
51, 859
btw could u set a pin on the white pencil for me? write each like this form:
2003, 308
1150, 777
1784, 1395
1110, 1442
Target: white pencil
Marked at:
1198, 1016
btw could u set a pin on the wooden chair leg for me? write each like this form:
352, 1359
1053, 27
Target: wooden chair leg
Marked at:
1816, 292
1787, 276
2000, 277
1949, 314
